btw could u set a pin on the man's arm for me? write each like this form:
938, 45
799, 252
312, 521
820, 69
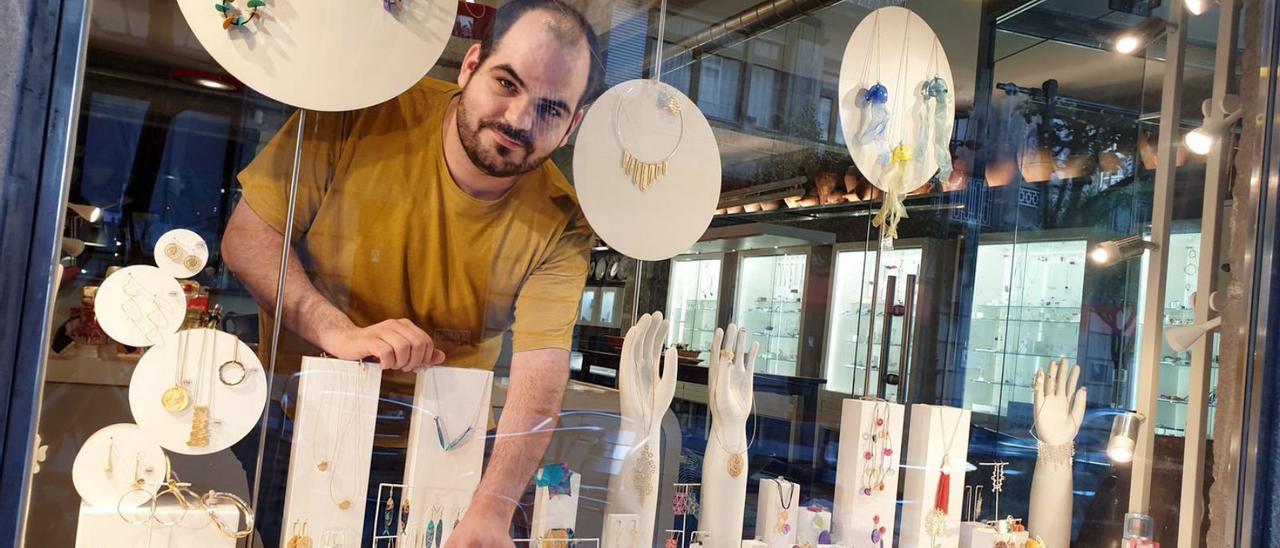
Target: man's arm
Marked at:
251, 248
529, 416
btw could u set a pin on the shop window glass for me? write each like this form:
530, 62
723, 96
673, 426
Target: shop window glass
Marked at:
719, 87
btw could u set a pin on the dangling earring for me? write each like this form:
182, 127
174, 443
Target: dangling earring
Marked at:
111, 446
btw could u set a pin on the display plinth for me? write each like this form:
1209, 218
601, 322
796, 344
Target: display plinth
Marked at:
777, 512
432, 474
332, 445
812, 524
981, 535
934, 430
621, 531
556, 511
859, 514
100, 526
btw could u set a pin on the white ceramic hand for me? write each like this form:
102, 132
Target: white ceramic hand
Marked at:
1059, 405
731, 376
651, 394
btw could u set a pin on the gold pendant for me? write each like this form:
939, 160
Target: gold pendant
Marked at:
322, 465
735, 465
643, 174
199, 427
344, 504
175, 399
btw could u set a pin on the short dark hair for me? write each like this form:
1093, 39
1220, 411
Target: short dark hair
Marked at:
512, 11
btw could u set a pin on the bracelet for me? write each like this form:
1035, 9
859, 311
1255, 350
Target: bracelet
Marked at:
1057, 455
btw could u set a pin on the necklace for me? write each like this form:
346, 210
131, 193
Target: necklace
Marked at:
737, 459
877, 452
644, 173
203, 394
783, 525
646, 466
936, 521
338, 403
232, 372
176, 398
442, 432
356, 381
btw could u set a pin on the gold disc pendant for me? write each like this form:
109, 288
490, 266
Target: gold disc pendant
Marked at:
322, 465
175, 399
735, 465
344, 504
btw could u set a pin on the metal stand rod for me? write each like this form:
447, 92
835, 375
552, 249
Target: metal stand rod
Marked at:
871, 327
887, 336
908, 322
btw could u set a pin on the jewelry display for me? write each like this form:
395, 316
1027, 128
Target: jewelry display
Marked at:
646, 465
203, 397
299, 536
177, 398
431, 525
877, 532
644, 172
388, 516
737, 462
878, 451
1056, 455
680, 503
783, 524
232, 372
235, 17
189, 500
936, 520
997, 486
442, 432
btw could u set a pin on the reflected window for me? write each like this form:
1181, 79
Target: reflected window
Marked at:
762, 101
718, 87
112, 130
188, 191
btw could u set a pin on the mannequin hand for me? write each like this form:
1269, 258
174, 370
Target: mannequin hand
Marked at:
1059, 406
731, 377
397, 344
647, 394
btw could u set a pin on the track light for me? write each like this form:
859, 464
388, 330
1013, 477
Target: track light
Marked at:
1124, 437
87, 212
1198, 7
1202, 139
72, 247
1112, 252
1136, 38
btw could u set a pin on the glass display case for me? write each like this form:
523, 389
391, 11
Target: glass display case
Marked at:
850, 322
692, 302
1026, 313
768, 304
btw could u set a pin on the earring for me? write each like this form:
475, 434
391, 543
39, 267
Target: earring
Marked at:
111, 446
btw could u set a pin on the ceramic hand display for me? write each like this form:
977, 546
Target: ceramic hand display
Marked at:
1059, 410
724, 468
644, 396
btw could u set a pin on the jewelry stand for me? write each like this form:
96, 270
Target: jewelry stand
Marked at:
464, 398
858, 514
558, 511
389, 532
685, 489
812, 526
618, 531
100, 523
777, 512
933, 429
316, 495
111, 460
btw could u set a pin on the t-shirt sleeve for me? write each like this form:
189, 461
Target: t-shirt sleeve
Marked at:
325, 149
547, 306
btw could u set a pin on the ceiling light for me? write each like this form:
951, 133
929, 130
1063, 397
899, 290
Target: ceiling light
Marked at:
1202, 139
213, 84
1134, 39
1115, 251
1124, 437
89, 213
207, 80
600, 248
1198, 7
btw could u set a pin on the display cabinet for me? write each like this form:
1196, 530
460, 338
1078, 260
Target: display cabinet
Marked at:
601, 306
692, 302
770, 292
851, 313
1026, 313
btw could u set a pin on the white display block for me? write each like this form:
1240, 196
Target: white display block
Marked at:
434, 476
558, 511
754, 544
621, 531
777, 513
856, 513
334, 425
981, 535
933, 428
811, 526
104, 467
100, 526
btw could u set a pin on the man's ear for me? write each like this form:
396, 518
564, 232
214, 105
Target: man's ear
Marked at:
573, 125
470, 63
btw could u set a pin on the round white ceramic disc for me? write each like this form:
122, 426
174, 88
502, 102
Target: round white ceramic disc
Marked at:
666, 219
105, 467
140, 306
233, 410
328, 56
181, 253
901, 55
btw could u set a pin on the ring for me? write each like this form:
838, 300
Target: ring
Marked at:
726, 354
232, 373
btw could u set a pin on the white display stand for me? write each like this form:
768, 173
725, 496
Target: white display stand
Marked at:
129, 450
140, 306
191, 253
902, 54
684, 199
621, 531
982, 535
856, 513
811, 526
100, 526
291, 52
770, 527
431, 474
932, 426
558, 511
233, 410
336, 413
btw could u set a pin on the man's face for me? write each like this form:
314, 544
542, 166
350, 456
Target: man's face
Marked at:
522, 103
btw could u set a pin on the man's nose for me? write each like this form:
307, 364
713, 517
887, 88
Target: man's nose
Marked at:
520, 115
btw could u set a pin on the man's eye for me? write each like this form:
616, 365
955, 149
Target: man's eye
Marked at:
551, 112
507, 84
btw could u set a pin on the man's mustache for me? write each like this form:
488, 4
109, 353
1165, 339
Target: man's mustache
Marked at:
518, 135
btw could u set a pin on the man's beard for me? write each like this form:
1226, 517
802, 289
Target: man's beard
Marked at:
497, 161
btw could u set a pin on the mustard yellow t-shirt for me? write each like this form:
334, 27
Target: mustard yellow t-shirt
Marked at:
384, 232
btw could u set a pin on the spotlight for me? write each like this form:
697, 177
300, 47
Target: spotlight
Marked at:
1133, 39
1124, 437
1198, 7
72, 247
1182, 337
87, 212
1202, 139
1112, 252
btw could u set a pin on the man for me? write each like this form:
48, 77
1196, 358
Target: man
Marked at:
431, 225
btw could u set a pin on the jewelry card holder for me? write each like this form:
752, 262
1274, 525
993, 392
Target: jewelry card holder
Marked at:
111, 460
431, 471
777, 517
556, 511
857, 515
621, 531
140, 306
99, 526
933, 428
344, 438
812, 525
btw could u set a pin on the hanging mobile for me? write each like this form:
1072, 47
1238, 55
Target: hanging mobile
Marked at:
897, 174
645, 172
235, 17
934, 127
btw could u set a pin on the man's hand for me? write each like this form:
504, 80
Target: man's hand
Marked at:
480, 530
397, 344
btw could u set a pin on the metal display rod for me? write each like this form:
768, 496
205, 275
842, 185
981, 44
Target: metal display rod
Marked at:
908, 321
887, 336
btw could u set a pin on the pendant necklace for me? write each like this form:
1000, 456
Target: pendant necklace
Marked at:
737, 459
783, 525
646, 466
177, 398
356, 380
936, 520
645, 172
338, 402
203, 394
877, 453
442, 432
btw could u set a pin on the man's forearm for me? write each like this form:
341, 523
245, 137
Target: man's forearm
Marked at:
529, 416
